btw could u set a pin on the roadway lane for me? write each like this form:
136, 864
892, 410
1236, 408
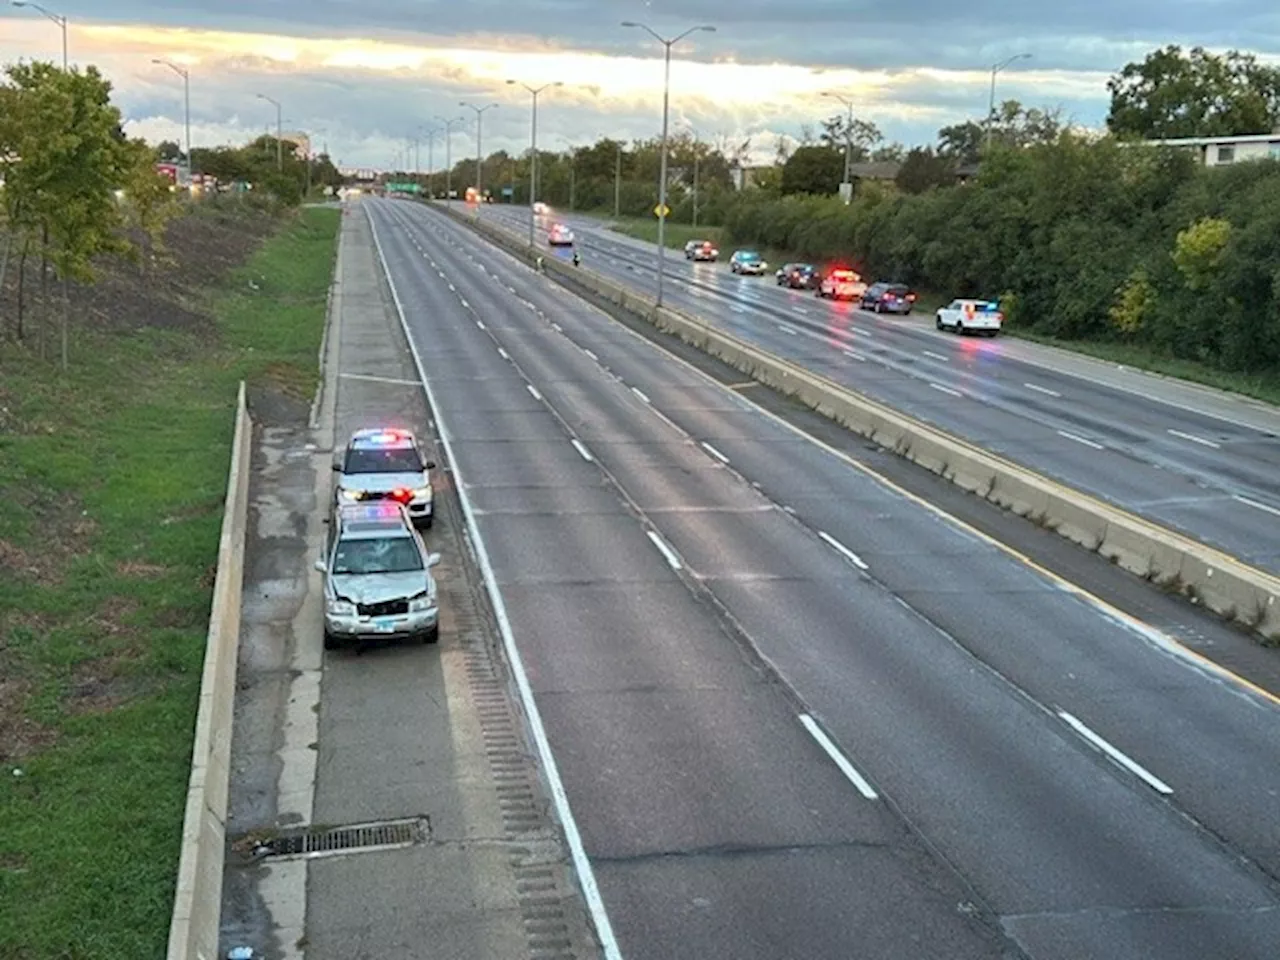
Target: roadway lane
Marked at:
1212, 478
970, 689
716, 825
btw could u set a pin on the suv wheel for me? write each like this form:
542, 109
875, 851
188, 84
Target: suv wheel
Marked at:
331, 642
431, 636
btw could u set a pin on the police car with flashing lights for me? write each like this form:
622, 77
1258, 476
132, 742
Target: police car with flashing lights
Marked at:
386, 464
560, 236
970, 316
377, 577
842, 285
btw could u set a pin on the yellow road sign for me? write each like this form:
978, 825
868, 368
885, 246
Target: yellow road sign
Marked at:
661, 211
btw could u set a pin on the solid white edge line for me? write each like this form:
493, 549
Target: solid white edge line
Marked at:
839, 759
1044, 390
582, 450
668, 554
1146, 776
533, 391
1194, 439
581, 864
954, 393
714, 452
1079, 439
840, 548
1256, 505
640, 393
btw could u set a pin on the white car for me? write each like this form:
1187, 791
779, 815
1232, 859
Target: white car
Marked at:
977, 316
383, 464
560, 236
540, 209
842, 285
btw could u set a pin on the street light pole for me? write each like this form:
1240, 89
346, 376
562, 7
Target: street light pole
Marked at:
59, 20
662, 172
448, 156
186, 105
533, 156
696, 145
479, 155
617, 184
279, 131
573, 172
848, 143
991, 103
430, 134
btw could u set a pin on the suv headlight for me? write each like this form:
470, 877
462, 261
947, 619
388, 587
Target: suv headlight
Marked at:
339, 608
421, 603
422, 493
349, 494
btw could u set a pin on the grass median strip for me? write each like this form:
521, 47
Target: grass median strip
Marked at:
114, 476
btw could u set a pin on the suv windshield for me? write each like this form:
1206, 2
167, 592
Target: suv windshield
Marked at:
385, 555
399, 460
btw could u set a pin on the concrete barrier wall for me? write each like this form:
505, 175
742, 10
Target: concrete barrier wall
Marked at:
1171, 560
197, 905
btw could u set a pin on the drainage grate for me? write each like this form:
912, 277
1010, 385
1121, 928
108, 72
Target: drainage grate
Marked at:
317, 841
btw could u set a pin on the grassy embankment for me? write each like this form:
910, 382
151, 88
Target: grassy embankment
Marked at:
114, 476
1259, 387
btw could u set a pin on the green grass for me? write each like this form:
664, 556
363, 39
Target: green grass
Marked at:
678, 234
114, 476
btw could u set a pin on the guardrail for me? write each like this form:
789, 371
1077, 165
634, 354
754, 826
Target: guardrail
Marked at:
197, 904
1171, 560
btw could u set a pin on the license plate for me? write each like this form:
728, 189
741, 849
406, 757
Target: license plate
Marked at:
384, 624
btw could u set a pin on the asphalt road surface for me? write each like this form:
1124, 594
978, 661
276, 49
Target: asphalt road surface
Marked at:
796, 713
1189, 458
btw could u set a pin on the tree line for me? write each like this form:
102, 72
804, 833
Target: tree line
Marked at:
1083, 235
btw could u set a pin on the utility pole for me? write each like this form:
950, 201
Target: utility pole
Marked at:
848, 146
991, 104
479, 154
430, 134
662, 172
533, 158
448, 156
279, 131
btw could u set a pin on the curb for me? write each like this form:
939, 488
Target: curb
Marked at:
1173, 561
197, 905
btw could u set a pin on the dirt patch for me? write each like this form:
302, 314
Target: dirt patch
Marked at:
37, 566
20, 736
137, 570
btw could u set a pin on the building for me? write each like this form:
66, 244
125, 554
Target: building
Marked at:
301, 141
1220, 151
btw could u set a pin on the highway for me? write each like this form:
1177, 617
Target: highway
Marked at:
1186, 457
796, 713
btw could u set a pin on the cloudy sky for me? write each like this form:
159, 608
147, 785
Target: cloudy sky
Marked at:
363, 76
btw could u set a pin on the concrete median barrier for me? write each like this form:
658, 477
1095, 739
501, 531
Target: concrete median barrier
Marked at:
1220, 583
197, 905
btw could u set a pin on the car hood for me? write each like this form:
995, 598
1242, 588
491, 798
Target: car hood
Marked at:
381, 587
382, 482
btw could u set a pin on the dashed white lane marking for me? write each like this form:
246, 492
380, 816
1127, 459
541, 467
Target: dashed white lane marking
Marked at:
856, 355
1194, 439
841, 549
667, 553
452, 288
502, 353
1077, 439
590, 354
714, 452
838, 758
1257, 506
788, 330
1045, 390
533, 390
582, 450
640, 393
463, 301
480, 324
936, 356
1139, 771
954, 393
800, 310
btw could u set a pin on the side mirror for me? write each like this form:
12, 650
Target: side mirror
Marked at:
431, 464
433, 559
337, 467
320, 565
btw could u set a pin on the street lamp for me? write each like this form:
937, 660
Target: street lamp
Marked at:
430, 134
991, 105
279, 131
448, 156
573, 171
533, 155
186, 101
848, 143
479, 156
662, 173
59, 20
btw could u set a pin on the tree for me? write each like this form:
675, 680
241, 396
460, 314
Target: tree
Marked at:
962, 142
149, 203
863, 135
168, 151
1197, 94
923, 169
813, 170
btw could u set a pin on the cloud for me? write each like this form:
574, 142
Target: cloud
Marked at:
364, 77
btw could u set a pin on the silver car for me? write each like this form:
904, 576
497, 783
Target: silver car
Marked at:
385, 464
377, 578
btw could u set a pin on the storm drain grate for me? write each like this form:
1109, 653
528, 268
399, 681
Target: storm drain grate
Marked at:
316, 841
